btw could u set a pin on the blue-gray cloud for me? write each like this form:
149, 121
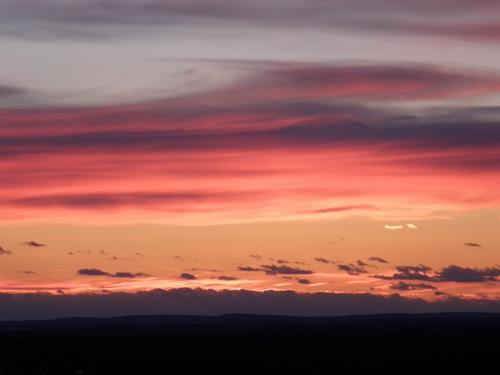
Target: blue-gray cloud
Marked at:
98, 19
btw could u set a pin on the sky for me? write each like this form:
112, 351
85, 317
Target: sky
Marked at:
232, 149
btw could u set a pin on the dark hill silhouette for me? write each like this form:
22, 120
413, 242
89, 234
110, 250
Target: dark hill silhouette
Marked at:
238, 343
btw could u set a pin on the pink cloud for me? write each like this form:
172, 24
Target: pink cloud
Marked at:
266, 149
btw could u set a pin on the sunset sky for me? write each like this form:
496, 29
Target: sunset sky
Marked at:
301, 145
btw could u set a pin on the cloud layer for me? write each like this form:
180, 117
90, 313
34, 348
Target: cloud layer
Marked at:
209, 302
190, 157
54, 19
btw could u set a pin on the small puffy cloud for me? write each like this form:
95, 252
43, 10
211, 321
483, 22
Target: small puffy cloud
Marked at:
412, 226
187, 276
256, 256
303, 281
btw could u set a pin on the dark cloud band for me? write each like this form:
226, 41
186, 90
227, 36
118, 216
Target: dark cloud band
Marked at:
209, 302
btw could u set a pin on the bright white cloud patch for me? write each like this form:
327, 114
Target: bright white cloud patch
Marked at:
412, 226
393, 227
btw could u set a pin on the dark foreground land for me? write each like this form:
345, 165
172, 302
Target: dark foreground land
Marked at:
258, 344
